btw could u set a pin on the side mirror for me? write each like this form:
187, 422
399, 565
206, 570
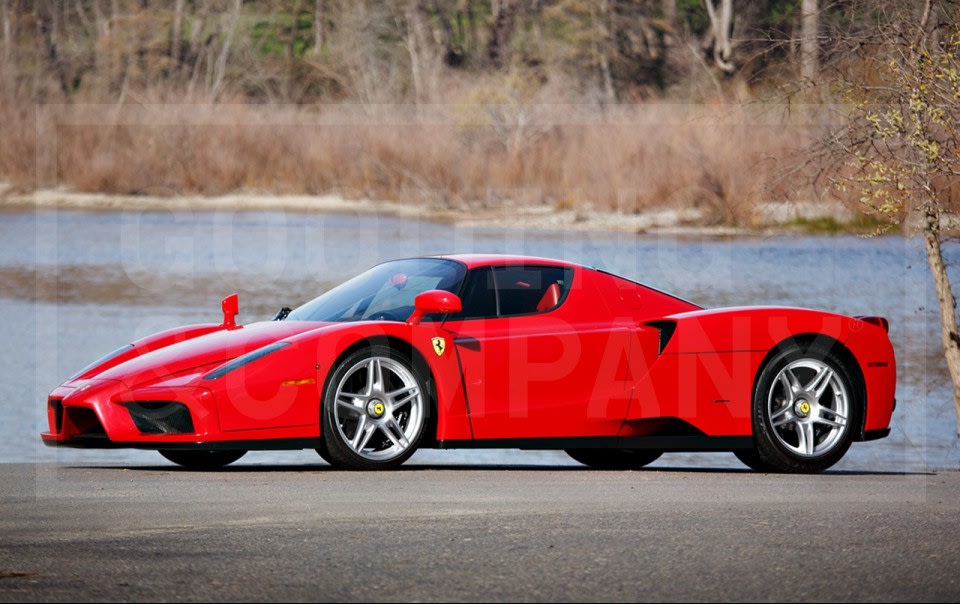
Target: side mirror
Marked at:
231, 308
434, 301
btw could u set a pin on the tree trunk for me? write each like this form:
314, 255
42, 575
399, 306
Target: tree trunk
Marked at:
669, 9
423, 57
501, 29
99, 22
176, 35
317, 26
809, 40
82, 15
720, 29
948, 314
602, 31
221, 65
6, 31
294, 33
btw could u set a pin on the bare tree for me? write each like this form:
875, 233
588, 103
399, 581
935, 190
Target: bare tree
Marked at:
5, 16
899, 145
318, 26
809, 39
669, 9
221, 66
176, 29
721, 27
424, 59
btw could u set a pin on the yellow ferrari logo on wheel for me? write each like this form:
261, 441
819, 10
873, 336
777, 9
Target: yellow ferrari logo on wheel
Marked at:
439, 345
804, 407
378, 409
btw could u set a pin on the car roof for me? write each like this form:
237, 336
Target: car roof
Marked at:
476, 260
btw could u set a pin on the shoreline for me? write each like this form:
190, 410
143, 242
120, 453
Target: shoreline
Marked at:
778, 218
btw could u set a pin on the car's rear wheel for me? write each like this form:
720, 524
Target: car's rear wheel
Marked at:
374, 410
202, 460
614, 459
805, 409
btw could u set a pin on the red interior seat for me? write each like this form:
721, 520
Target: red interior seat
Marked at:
550, 298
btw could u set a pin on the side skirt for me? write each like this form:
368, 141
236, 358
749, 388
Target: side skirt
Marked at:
283, 444
659, 443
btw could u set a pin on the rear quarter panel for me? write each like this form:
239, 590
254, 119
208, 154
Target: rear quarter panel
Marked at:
707, 371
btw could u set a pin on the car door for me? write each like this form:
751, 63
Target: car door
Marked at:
536, 362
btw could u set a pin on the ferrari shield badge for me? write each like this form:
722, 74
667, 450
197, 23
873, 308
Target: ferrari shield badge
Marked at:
439, 345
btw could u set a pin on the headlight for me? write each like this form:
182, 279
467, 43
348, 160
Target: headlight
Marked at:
243, 360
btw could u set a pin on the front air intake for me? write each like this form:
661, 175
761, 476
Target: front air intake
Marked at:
57, 406
161, 417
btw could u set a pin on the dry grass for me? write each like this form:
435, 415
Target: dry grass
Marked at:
721, 158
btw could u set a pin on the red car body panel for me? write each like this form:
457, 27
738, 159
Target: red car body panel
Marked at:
614, 359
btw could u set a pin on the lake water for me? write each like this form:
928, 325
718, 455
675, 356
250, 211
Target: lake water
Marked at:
75, 285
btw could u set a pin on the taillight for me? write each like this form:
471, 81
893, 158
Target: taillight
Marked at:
878, 321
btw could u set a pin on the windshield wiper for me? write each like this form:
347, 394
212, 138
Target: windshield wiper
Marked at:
282, 313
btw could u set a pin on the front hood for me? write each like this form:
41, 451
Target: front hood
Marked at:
211, 349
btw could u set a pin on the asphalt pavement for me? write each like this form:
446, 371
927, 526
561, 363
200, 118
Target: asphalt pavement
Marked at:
474, 533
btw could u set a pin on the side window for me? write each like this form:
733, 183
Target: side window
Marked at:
479, 296
525, 290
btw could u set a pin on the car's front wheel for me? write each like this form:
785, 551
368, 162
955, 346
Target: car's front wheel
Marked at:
614, 459
374, 410
202, 460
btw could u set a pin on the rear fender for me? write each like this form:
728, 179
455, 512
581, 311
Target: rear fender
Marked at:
706, 371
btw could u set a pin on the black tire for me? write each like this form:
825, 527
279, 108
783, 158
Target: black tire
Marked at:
769, 453
751, 459
202, 460
323, 453
336, 451
614, 459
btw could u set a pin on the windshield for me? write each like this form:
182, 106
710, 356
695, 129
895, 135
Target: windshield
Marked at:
385, 292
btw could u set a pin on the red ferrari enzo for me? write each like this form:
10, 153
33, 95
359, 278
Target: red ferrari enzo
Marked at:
478, 351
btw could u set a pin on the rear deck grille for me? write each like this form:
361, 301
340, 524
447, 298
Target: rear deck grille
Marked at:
161, 417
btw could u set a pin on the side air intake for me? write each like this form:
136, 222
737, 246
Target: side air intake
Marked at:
666, 329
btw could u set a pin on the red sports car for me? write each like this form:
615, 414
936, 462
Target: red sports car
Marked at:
481, 351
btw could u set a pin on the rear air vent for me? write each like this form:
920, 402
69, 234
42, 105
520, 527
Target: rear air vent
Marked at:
161, 417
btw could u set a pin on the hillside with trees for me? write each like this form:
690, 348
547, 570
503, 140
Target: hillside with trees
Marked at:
698, 106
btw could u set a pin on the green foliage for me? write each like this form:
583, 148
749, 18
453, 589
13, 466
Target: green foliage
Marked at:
864, 224
902, 137
693, 14
782, 14
283, 33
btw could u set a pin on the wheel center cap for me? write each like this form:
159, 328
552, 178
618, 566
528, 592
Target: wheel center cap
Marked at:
802, 408
376, 409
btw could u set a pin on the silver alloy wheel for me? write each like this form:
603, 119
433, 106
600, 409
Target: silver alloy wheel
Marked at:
808, 407
381, 420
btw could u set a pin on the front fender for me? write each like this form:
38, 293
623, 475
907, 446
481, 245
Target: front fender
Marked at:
146, 345
327, 345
